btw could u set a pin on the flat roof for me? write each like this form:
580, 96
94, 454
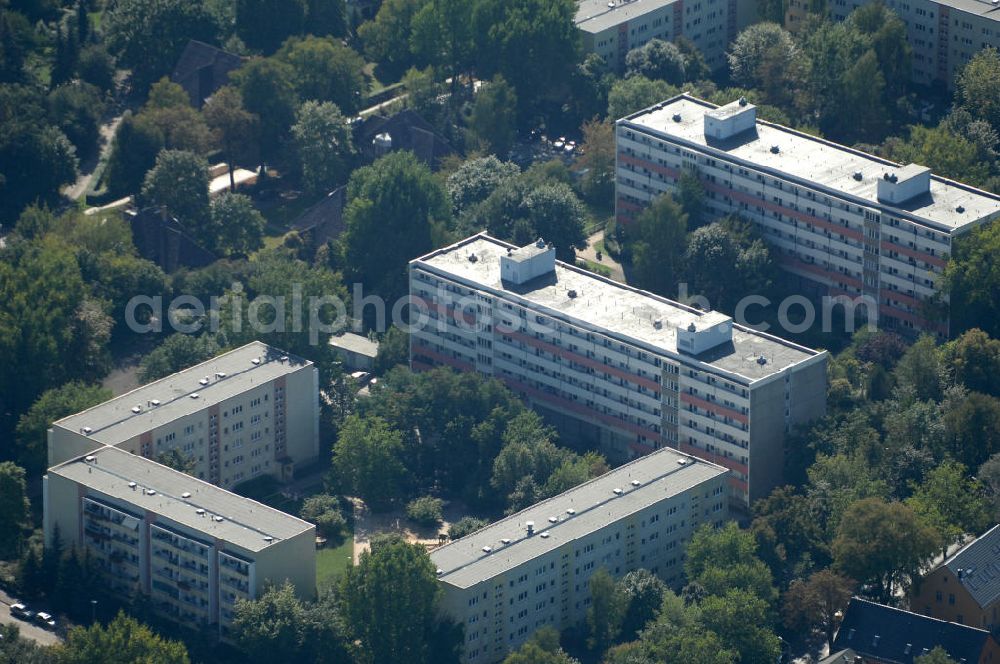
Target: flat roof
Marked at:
820, 164
114, 422
245, 522
599, 15
355, 343
978, 7
659, 475
617, 310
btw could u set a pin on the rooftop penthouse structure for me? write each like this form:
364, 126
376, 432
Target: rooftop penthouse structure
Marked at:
844, 222
614, 367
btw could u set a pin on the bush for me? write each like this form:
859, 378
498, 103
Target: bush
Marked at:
465, 526
324, 511
425, 511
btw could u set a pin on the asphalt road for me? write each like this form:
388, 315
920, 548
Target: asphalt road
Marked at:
28, 630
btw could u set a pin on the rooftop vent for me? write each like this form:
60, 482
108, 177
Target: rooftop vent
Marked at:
439, 571
86, 431
677, 117
553, 519
761, 360
186, 494
220, 374
200, 512
857, 176
682, 462
692, 328
657, 324
90, 458
255, 360
284, 358
636, 482
487, 549
775, 149
875, 641
890, 177
571, 511
136, 409
154, 402
530, 525
540, 243
545, 535
960, 209
219, 519
618, 491
150, 492
203, 381
743, 101
132, 485
505, 541
571, 294
268, 539
473, 258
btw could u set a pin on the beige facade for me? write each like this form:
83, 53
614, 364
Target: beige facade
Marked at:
532, 569
612, 29
194, 549
616, 368
250, 412
941, 595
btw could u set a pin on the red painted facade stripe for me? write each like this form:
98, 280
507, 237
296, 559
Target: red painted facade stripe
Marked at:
747, 198
586, 361
575, 407
913, 253
423, 349
688, 448
918, 321
715, 407
832, 275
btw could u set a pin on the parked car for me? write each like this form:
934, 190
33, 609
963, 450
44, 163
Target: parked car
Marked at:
45, 620
21, 611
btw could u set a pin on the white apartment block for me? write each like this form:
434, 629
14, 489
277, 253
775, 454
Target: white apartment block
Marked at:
532, 569
194, 549
944, 34
250, 412
614, 367
612, 28
844, 222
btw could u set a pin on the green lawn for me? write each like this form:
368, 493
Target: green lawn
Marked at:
331, 563
602, 270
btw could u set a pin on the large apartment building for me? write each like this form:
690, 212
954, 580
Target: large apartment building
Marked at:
194, 549
614, 367
844, 222
250, 412
532, 569
944, 34
612, 29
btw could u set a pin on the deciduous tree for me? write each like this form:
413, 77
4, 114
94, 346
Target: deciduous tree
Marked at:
882, 544
813, 603
323, 145
237, 226
124, 639
367, 461
390, 604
